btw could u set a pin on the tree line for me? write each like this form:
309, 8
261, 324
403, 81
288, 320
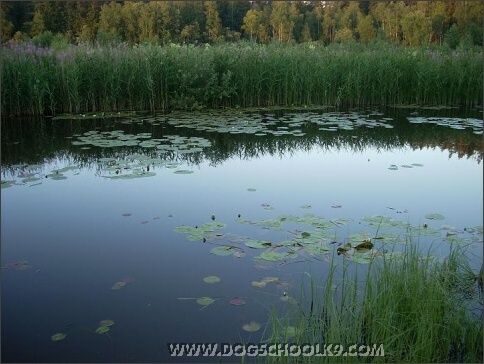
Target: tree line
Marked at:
194, 22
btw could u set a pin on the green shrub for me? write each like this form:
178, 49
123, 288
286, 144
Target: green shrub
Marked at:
452, 37
43, 40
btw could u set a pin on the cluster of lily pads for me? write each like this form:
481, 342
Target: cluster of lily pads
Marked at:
318, 238
454, 123
32, 175
136, 166
139, 165
104, 327
118, 138
320, 234
349, 121
206, 301
251, 326
261, 124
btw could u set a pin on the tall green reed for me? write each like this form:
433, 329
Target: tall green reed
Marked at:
150, 77
420, 308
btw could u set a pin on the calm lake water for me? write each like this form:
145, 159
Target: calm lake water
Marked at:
121, 219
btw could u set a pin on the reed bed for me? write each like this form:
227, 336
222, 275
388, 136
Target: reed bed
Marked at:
421, 309
117, 77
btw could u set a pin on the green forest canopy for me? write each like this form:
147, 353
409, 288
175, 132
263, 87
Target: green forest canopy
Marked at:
405, 22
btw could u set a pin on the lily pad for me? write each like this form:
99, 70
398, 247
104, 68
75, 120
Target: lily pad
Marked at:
361, 258
252, 326
237, 301
58, 337
259, 284
270, 279
102, 330
106, 323
271, 256
258, 244
435, 216
223, 250
205, 301
211, 279
359, 237
211, 226
314, 249
185, 229
118, 285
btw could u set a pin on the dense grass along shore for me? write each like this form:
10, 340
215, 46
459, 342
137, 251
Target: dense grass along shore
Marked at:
412, 309
87, 78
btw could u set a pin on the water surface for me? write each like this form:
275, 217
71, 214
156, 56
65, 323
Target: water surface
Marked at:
81, 235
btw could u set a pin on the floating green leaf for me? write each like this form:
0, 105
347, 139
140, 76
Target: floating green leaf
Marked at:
258, 284
185, 229
435, 216
118, 285
455, 239
196, 236
258, 244
102, 330
314, 249
211, 226
361, 258
205, 301
252, 326
270, 279
271, 256
57, 337
211, 279
223, 250
358, 237
106, 323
